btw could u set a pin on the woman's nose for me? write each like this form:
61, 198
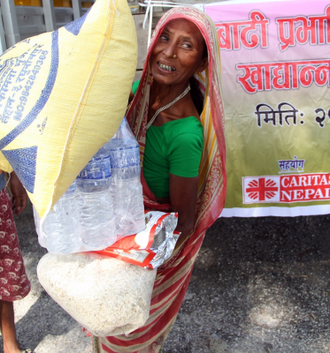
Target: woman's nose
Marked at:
169, 51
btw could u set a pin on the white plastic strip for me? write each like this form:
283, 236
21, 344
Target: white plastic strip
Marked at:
276, 211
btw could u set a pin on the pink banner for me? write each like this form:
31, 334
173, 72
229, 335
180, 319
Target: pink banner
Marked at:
276, 78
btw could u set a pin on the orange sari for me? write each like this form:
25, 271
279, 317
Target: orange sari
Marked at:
173, 276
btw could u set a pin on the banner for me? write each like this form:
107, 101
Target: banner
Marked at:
276, 76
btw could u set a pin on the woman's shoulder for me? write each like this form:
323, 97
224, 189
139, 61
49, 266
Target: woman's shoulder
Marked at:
185, 136
135, 86
184, 131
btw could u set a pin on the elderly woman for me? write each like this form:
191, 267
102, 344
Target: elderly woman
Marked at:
177, 116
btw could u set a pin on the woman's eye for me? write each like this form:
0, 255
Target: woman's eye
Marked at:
187, 45
164, 37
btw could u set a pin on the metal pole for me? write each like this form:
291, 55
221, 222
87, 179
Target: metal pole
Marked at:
76, 6
49, 13
10, 22
150, 24
3, 46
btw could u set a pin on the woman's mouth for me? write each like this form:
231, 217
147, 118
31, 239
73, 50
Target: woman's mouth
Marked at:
166, 67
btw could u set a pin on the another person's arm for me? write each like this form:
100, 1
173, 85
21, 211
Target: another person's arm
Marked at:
19, 196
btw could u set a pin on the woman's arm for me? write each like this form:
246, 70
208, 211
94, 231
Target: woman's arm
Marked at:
183, 198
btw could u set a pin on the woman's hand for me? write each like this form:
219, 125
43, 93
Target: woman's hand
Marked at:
183, 198
19, 196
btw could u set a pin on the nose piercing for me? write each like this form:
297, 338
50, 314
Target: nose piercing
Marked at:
174, 56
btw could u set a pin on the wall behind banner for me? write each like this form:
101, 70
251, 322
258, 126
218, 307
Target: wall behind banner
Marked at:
276, 78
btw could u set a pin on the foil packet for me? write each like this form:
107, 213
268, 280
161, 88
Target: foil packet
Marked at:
151, 247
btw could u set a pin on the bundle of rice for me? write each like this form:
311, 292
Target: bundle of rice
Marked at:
105, 295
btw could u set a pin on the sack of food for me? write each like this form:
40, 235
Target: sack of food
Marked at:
107, 296
63, 95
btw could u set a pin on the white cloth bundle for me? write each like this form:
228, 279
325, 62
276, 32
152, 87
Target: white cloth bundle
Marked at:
107, 296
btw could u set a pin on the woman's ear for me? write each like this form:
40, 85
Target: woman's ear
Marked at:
203, 65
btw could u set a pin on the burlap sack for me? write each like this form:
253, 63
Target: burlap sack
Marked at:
63, 94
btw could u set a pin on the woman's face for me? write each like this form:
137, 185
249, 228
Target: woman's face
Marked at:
182, 39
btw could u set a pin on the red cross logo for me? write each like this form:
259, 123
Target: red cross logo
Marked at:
260, 189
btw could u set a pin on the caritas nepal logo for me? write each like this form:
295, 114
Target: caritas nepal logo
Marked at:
286, 188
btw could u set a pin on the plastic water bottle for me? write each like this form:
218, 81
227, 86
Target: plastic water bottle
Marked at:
37, 222
126, 188
59, 232
95, 203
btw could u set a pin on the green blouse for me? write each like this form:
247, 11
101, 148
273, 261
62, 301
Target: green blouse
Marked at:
175, 147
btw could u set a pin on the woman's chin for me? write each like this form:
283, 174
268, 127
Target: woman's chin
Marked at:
163, 77
163, 81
